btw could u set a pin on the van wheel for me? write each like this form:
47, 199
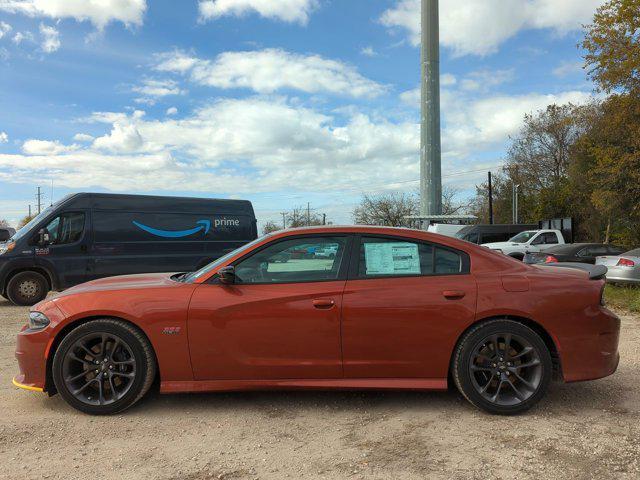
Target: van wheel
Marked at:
27, 288
103, 366
502, 367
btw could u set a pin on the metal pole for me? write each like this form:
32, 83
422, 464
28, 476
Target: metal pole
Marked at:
308, 214
490, 201
516, 211
39, 196
284, 219
430, 153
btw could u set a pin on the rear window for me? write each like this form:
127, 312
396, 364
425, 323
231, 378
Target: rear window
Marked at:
397, 257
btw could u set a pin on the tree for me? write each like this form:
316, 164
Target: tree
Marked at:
270, 227
4, 223
612, 43
389, 209
25, 220
303, 217
606, 173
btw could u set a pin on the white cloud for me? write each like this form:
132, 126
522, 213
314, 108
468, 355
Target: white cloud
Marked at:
83, 137
485, 80
19, 37
172, 111
479, 27
4, 138
46, 147
568, 68
152, 89
50, 38
292, 11
4, 29
368, 52
447, 79
124, 138
225, 147
98, 12
271, 70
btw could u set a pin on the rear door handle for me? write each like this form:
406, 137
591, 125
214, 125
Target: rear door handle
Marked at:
453, 294
323, 304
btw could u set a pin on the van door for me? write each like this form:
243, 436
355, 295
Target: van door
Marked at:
66, 251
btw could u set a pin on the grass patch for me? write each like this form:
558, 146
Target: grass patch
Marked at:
623, 297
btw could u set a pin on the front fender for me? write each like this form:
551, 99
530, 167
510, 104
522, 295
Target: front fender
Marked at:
161, 314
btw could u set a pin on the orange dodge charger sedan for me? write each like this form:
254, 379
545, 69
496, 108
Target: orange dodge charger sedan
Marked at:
324, 308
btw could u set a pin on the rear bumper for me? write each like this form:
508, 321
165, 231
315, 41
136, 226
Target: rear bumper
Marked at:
622, 275
592, 352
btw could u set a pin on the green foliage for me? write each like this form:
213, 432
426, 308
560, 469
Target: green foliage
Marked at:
623, 297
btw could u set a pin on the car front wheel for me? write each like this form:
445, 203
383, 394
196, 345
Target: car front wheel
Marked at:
104, 366
502, 367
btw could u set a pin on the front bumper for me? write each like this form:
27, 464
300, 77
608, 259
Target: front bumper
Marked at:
33, 348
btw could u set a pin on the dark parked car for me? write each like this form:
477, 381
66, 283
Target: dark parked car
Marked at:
572, 252
6, 233
481, 234
86, 236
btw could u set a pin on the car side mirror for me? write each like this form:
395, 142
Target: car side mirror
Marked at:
227, 275
43, 237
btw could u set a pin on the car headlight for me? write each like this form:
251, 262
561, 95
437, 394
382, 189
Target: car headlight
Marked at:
37, 320
6, 247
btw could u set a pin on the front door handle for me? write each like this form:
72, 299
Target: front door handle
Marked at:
453, 294
323, 304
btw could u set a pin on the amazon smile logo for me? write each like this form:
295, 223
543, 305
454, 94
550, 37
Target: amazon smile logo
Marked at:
204, 225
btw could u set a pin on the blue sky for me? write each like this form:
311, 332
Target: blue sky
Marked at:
282, 102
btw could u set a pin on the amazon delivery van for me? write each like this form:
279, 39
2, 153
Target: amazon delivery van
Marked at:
86, 236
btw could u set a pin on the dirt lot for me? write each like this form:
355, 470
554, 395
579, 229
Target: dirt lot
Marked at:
588, 430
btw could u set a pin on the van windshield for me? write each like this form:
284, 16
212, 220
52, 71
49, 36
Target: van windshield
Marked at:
193, 276
34, 221
523, 237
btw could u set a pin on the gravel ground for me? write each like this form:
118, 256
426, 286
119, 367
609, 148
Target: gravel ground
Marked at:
587, 430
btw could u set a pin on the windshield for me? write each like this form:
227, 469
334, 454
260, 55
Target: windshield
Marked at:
193, 276
523, 237
34, 221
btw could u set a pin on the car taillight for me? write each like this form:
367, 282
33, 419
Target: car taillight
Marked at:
550, 259
625, 262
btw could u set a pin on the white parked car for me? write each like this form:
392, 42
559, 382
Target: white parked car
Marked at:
624, 268
446, 229
527, 242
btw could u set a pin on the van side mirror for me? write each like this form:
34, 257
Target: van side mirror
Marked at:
43, 237
227, 275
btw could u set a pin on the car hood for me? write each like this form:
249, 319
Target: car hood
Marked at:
122, 282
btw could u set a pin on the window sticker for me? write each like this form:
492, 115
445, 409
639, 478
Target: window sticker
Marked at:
397, 258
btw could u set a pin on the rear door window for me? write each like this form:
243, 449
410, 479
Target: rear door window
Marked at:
390, 257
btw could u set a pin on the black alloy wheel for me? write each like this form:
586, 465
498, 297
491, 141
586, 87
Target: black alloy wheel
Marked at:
103, 366
502, 366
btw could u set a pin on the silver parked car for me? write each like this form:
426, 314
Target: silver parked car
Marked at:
624, 268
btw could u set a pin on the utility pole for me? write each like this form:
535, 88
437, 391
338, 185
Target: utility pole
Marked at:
324, 219
284, 219
430, 148
514, 202
308, 214
490, 200
29, 210
39, 197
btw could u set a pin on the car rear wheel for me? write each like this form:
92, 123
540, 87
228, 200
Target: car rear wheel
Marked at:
502, 367
27, 288
104, 366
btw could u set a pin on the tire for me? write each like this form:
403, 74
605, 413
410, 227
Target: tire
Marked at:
27, 288
513, 382
129, 372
